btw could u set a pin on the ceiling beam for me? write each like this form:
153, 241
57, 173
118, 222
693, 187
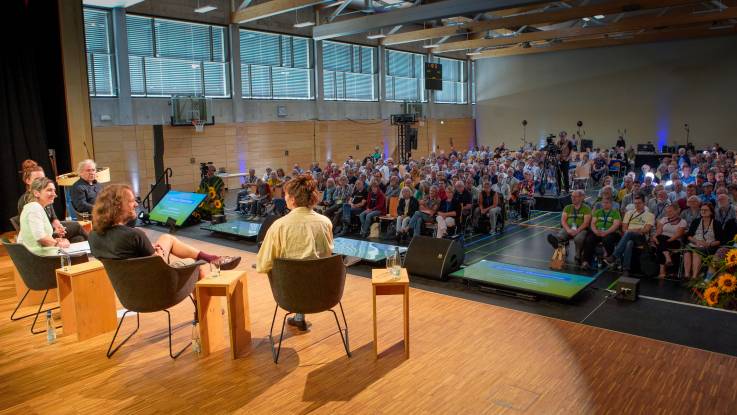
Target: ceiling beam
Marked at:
644, 22
558, 15
422, 13
270, 8
647, 37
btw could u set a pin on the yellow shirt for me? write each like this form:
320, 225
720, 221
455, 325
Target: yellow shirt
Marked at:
302, 234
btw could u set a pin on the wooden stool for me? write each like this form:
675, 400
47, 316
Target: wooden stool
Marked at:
87, 300
233, 285
382, 284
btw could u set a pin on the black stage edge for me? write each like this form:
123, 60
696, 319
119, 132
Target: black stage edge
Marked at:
552, 203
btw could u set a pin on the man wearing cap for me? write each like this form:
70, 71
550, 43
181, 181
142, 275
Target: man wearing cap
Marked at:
708, 195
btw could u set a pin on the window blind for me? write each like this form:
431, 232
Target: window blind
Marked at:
100, 53
169, 57
405, 76
454, 82
275, 66
349, 72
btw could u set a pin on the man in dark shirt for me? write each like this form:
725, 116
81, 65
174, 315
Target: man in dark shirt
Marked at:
113, 239
354, 206
86, 189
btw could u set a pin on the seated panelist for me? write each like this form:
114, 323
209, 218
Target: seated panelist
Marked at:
70, 230
36, 232
85, 190
111, 238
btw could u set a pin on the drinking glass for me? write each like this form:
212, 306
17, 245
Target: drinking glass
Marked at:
66, 261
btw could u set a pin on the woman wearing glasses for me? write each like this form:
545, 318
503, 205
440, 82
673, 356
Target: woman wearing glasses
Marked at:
703, 237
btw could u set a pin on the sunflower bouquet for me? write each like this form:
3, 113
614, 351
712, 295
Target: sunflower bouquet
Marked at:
721, 290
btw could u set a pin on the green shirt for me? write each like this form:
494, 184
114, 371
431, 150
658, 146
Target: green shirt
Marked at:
604, 220
576, 215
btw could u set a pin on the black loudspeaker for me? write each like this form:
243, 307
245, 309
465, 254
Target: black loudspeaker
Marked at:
433, 257
586, 144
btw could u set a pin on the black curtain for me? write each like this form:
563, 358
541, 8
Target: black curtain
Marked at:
32, 101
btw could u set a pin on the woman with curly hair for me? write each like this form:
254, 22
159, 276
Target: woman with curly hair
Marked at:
111, 238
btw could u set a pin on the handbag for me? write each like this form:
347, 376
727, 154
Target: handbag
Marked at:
559, 258
374, 232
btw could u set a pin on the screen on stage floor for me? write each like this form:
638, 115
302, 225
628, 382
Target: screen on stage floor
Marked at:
533, 280
239, 228
369, 251
176, 205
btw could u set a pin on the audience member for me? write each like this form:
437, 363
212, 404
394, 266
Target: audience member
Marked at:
406, 208
605, 223
575, 220
703, 237
669, 233
636, 227
375, 207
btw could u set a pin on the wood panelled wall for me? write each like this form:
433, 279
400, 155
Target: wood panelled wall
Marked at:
128, 150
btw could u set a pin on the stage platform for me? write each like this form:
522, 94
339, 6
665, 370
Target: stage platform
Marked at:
525, 279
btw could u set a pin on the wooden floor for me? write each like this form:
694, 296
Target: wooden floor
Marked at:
467, 358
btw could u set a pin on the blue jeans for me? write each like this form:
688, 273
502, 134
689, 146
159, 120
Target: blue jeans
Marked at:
349, 212
415, 223
625, 246
367, 218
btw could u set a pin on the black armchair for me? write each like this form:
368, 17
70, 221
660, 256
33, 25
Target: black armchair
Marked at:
147, 285
308, 286
38, 273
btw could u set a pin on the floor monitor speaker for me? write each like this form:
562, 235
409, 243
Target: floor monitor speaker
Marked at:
433, 257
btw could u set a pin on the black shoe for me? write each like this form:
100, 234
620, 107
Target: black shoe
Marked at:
228, 262
553, 241
299, 324
609, 260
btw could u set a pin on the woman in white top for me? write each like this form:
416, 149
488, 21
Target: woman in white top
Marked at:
35, 229
670, 230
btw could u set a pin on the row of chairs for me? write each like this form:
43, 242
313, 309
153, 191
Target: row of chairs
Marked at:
149, 285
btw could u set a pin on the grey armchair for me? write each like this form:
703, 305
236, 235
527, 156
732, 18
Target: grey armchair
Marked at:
308, 286
38, 273
147, 285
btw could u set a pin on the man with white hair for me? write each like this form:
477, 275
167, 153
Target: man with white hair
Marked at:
85, 190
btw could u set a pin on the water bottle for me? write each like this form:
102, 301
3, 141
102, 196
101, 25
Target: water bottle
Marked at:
50, 328
196, 342
396, 268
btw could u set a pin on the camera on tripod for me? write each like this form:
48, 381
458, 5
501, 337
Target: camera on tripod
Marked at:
550, 147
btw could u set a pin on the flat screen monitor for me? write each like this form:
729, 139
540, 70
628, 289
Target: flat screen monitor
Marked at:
176, 205
526, 279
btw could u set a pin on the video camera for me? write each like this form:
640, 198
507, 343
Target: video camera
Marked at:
550, 147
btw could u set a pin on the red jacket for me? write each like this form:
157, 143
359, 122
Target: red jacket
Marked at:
376, 201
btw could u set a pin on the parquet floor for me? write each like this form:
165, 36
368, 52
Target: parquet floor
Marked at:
467, 358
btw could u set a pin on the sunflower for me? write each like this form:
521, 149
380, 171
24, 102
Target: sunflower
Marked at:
731, 258
727, 283
711, 295
211, 192
218, 204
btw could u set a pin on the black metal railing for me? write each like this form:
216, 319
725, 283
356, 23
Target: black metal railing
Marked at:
146, 202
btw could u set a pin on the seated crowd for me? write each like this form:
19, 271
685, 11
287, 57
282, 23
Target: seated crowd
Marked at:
687, 201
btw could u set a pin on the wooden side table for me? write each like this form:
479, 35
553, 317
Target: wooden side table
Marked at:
233, 285
383, 284
87, 300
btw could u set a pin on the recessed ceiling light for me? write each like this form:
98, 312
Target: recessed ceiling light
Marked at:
586, 19
599, 16
205, 9
473, 53
304, 24
376, 36
430, 46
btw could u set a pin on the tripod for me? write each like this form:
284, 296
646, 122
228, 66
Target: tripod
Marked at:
550, 164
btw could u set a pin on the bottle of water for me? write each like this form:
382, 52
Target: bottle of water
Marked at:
196, 342
50, 328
